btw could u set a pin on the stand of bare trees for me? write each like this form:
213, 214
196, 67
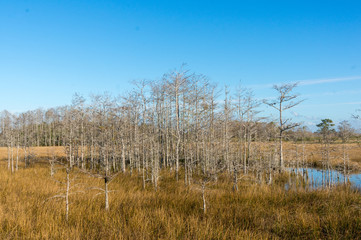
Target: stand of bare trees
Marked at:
176, 123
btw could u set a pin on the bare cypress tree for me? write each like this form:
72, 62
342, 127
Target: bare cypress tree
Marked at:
177, 81
78, 105
141, 94
247, 119
157, 136
25, 135
227, 116
69, 187
17, 134
285, 100
103, 106
203, 181
8, 134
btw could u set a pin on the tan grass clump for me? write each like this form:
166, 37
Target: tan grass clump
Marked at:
172, 212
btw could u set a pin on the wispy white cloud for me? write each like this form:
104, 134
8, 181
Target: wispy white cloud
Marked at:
310, 124
296, 114
346, 92
300, 116
329, 80
309, 82
333, 104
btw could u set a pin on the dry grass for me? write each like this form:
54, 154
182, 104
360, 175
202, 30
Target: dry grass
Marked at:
312, 153
173, 212
38, 152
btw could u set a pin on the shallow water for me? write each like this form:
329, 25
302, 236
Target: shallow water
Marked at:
317, 178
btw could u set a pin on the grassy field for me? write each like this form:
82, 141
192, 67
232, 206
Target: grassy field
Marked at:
312, 153
172, 212
28, 211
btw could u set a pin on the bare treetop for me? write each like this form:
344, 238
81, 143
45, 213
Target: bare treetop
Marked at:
285, 96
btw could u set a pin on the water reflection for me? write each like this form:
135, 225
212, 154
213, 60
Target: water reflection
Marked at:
316, 178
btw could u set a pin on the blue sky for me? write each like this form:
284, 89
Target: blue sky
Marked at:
51, 49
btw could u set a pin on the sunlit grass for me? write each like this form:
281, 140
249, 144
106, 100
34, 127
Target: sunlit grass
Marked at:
172, 212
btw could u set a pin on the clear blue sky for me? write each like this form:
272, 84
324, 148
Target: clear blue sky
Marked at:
51, 49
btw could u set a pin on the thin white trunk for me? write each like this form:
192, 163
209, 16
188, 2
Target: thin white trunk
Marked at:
106, 194
17, 158
204, 198
67, 194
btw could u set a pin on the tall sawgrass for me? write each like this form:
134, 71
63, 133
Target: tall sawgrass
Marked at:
174, 211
